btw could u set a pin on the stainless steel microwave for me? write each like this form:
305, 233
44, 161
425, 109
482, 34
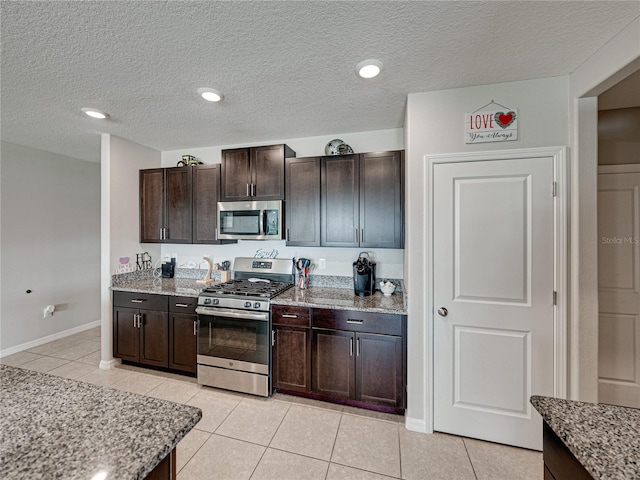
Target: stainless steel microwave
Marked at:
250, 220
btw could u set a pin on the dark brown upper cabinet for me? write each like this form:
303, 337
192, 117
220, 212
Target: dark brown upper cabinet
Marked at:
206, 195
255, 173
165, 205
362, 200
302, 201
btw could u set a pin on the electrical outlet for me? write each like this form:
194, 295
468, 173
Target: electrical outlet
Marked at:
322, 264
48, 311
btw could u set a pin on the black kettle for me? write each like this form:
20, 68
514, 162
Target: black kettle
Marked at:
364, 276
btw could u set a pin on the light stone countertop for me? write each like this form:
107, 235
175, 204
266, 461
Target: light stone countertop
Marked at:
342, 299
605, 439
54, 427
186, 287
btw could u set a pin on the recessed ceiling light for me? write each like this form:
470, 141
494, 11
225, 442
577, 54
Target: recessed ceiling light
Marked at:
210, 94
92, 112
369, 68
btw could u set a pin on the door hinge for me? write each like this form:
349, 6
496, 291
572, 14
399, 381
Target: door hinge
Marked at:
555, 298
555, 189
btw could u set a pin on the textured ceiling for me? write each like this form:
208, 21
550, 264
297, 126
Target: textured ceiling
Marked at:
286, 68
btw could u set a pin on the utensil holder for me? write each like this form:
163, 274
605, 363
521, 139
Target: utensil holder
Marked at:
225, 276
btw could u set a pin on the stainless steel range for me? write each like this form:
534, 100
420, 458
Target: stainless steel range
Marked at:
234, 334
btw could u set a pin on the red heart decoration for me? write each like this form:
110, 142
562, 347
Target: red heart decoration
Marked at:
504, 119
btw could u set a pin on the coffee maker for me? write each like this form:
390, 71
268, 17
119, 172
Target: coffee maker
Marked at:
364, 276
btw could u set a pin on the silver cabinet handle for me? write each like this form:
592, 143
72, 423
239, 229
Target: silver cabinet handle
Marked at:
140, 320
135, 320
137, 300
273, 338
182, 305
288, 315
351, 347
287, 234
215, 234
362, 235
195, 328
248, 192
358, 347
443, 312
355, 322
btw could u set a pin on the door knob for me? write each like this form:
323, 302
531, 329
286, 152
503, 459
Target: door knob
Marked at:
443, 312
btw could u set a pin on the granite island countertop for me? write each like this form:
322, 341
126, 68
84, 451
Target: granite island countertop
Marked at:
54, 427
186, 287
605, 439
342, 299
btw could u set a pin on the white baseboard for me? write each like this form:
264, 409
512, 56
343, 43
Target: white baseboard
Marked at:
49, 338
416, 425
109, 364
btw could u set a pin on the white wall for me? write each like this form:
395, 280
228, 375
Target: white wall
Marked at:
617, 59
434, 125
120, 162
338, 260
50, 245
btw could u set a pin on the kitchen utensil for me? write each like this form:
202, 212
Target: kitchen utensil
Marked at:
303, 266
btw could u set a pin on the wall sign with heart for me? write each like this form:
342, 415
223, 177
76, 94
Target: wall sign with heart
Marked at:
497, 125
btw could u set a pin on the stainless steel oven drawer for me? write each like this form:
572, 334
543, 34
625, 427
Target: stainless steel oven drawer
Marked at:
252, 383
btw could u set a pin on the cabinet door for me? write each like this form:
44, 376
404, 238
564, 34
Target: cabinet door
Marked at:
267, 172
302, 201
381, 200
236, 175
151, 205
206, 195
154, 338
126, 338
333, 363
178, 205
292, 359
379, 370
339, 207
183, 342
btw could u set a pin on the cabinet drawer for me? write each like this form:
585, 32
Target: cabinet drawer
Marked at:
290, 315
183, 304
144, 301
356, 321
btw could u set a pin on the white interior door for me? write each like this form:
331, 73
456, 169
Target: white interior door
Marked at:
619, 289
493, 267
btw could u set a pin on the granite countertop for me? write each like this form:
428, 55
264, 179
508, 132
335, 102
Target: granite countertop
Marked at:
604, 438
186, 287
342, 299
53, 427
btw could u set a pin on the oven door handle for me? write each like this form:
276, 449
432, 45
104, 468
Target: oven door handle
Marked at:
228, 313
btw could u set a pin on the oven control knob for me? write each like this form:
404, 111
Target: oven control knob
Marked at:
256, 305
247, 304
207, 301
216, 301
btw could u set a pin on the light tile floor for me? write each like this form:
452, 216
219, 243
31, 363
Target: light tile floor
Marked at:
284, 437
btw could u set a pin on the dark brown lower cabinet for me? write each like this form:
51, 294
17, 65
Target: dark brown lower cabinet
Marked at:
160, 332
351, 357
141, 335
559, 462
183, 339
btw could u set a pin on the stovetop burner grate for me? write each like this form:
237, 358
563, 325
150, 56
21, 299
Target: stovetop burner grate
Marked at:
248, 288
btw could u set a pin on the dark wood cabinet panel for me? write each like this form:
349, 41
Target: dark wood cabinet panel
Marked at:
165, 205
381, 200
126, 340
255, 173
236, 175
154, 338
333, 364
292, 359
178, 205
302, 201
358, 321
183, 342
340, 201
559, 462
291, 315
379, 370
151, 205
206, 195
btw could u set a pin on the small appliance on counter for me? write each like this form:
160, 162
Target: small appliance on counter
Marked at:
364, 275
168, 268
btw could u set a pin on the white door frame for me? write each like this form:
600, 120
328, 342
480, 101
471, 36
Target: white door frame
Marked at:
560, 177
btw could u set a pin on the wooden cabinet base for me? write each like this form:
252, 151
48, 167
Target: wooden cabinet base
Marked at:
559, 462
344, 401
166, 469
